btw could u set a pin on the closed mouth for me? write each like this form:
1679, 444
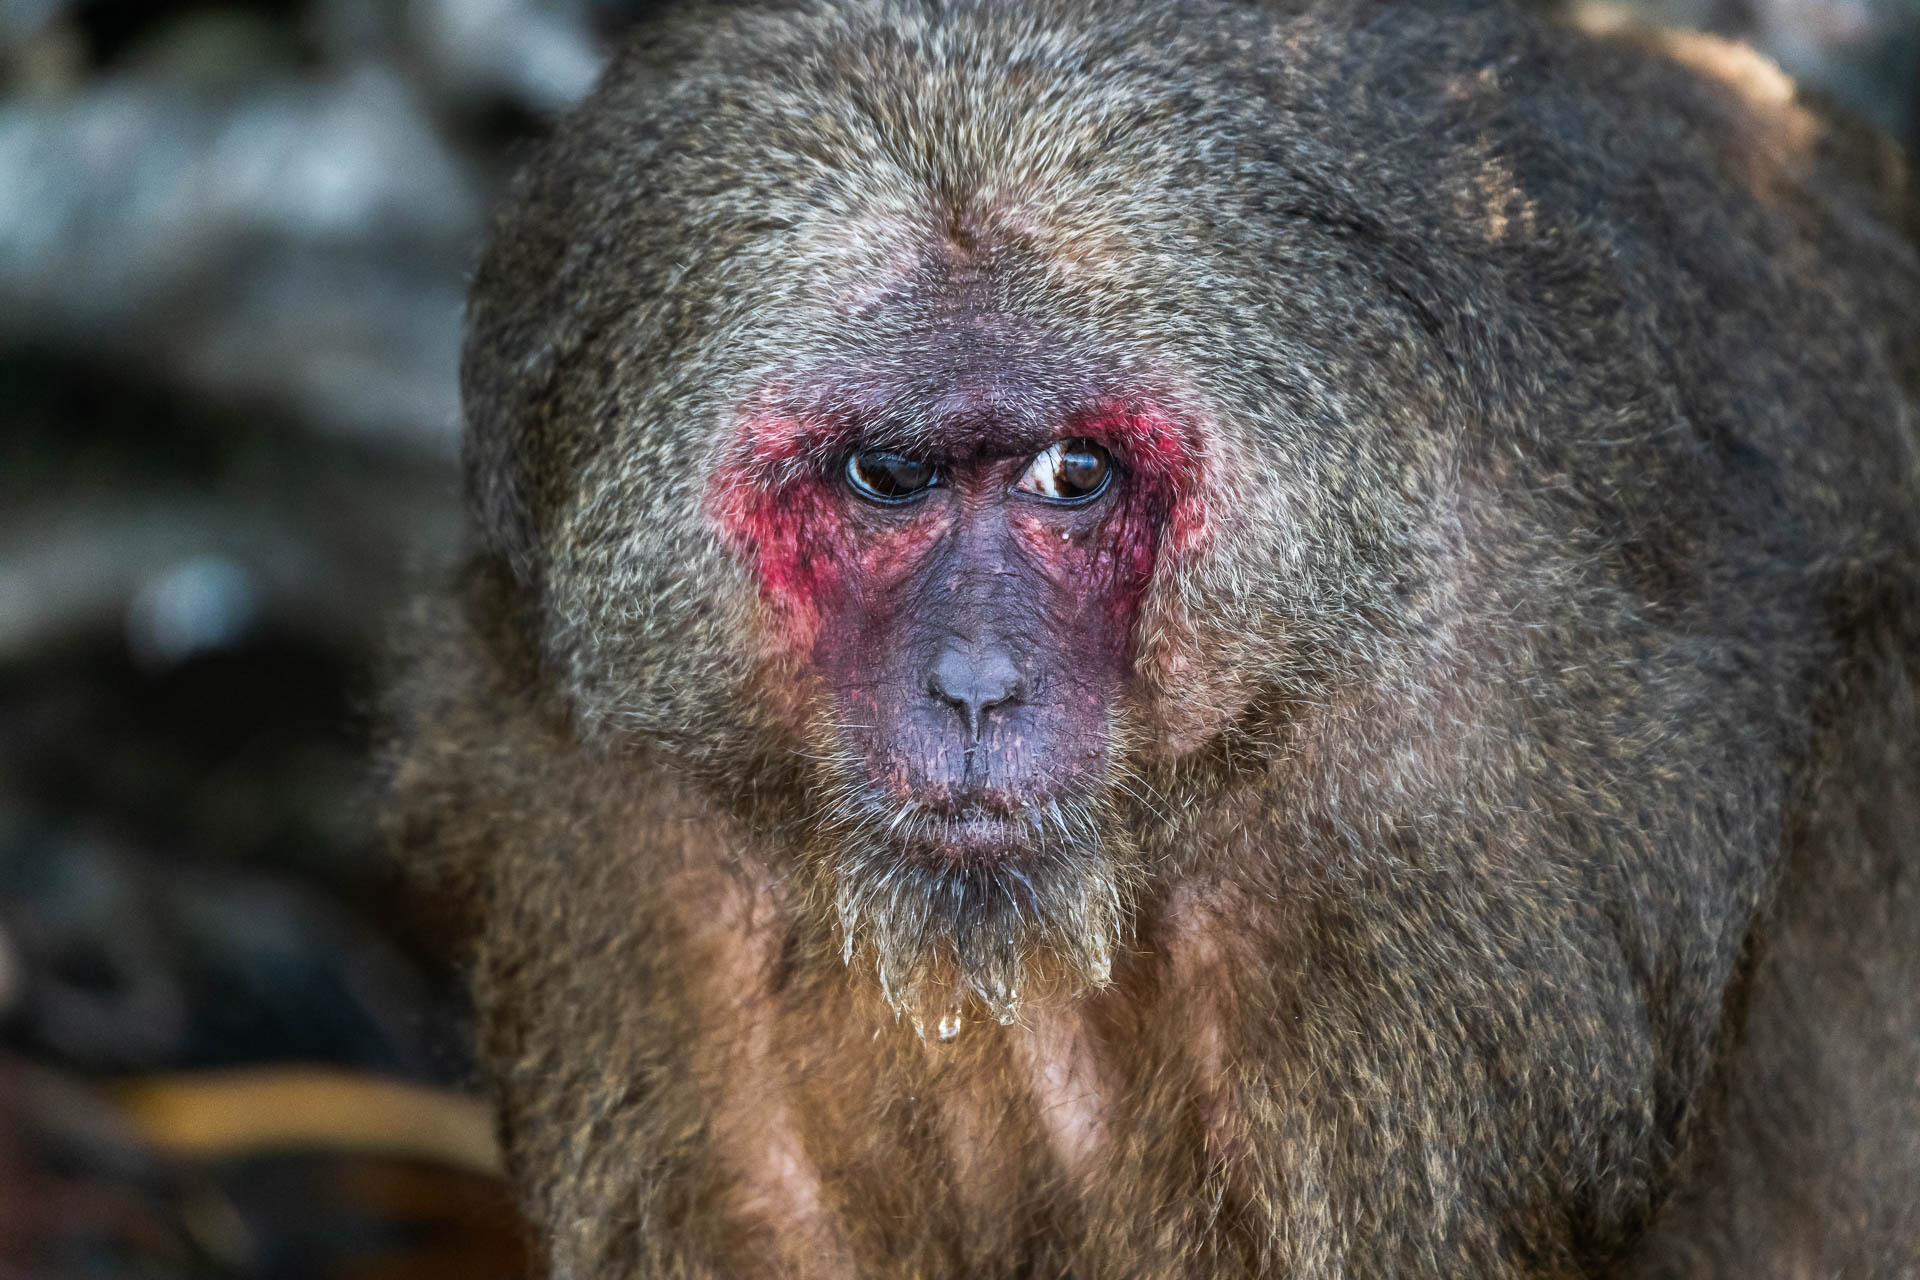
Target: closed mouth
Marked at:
976, 835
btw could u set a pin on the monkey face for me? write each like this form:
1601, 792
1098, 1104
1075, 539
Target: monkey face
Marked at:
961, 603
967, 607
918, 520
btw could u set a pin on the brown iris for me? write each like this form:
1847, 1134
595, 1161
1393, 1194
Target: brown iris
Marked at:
881, 476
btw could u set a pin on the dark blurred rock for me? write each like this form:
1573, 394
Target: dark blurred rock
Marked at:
188, 875
135, 962
100, 985
80, 1199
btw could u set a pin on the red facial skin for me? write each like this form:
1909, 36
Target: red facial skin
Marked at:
866, 597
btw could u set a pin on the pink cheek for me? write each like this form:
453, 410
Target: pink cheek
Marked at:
791, 539
855, 639
813, 570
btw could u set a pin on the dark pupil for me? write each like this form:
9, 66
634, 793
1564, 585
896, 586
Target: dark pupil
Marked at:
1081, 471
888, 475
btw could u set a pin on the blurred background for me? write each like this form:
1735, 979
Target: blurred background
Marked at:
233, 238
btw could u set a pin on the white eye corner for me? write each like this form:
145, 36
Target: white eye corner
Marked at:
1070, 471
1042, 475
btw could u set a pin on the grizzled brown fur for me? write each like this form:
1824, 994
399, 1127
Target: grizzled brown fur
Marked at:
1510, 816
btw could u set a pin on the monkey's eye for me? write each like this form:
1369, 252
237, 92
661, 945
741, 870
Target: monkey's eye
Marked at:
880, 476
1069, 471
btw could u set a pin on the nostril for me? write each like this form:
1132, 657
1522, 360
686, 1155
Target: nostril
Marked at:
975, 684
997, 680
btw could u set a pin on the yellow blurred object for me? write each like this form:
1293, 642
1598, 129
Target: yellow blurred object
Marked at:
232, 1113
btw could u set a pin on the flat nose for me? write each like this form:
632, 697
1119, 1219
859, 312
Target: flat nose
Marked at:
975, 683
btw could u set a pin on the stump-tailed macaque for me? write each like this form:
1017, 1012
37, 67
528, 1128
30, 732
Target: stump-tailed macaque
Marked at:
1198, 639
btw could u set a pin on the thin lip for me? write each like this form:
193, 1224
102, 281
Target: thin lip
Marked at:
969, 824
975, 836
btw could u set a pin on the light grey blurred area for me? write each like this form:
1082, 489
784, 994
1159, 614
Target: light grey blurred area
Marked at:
281, 216
267, 210
301, 245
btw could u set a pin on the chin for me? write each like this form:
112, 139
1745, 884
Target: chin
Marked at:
969, 907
